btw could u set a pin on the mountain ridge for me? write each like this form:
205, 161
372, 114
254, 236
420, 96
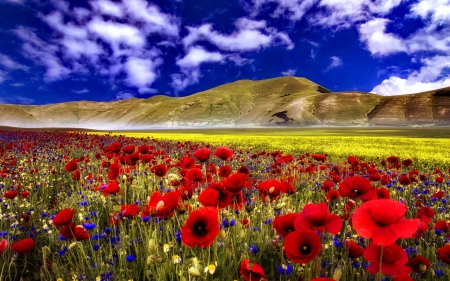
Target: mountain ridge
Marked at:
281, 101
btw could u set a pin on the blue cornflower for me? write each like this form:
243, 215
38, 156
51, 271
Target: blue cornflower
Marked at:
130, 258
96, 247
89, 225
285, 269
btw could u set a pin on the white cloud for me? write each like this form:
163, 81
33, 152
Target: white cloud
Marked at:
8, 63
335, 62
431, 76
182, 80
18, 84
289, 72
42, 53
293, 9
3, 76
79, 92
117, 33
155, 21
249, 36
141, 72
378, 42
77, 48
198, 55
124, 96
55, 20
107, 7
238, 60
437, 11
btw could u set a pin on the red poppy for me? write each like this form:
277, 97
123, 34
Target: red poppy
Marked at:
407, 162
63, 218
71, 166
441, 225
318, 217
327, 185
393, 259
68, 231
439, 195
201, 228
76, 176
333, 195
81, 233
115, 147
143, 149
404, 180
384, 221
381, 193
284, 224
3, 245
425, 214
129, 149
354, 250
129, 210
111, 188
419, 264
287, 187
302, 245
235, 182
24, 194
23, 246
159, 170
224, 171
271, 188
187, 163
319, 157
162, 205
114, 167
223, 153
443, 253
423, 227
251, 271
194, 175
356, 188
216, 195
202, 154
11, 194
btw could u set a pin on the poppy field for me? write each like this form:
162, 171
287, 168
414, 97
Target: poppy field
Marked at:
79, 206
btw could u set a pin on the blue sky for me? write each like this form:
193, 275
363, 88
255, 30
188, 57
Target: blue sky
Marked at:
104, 50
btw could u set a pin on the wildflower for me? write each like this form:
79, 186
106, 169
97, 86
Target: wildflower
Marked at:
223, 153
3, 245
215, 195
162, 205
159, 170
224, 171
302, 245
11, 194
201, 228
318, 217
284, 224
356, 188
443, 253
71, 166
202, 154
23, 246
235, 182
251, 271
391, 259
383, 221
354, 250
419, 264
130, 258
210, 268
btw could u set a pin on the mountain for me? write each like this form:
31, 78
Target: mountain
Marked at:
283, 101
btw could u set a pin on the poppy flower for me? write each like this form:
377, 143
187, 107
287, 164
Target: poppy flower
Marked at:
319, 157
115, 147
354, 250
443, 253
162, 205
384, 221
129, 149
159, 170
327, 185
3, 245
407, 162
381, 193
271, 188
318, 217
187, 163
194, 175
76, 176
439, 195
404, 180
80, 233
356, 188
23, 246
441, 225
71, 166
224, 171
423, 227
63, 218
201, 228
419, 264
223, 153
302, 245
216, 195
287, 187
284, 224
235, 182
251, 271
425, 214
68, 231
11, 194
333, 195
114, 167
202, 154
129, 210
393, 259
111, 188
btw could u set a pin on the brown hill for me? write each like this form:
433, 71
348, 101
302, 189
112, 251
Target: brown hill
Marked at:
283, 101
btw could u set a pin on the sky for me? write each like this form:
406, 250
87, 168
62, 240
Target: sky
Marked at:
105, 50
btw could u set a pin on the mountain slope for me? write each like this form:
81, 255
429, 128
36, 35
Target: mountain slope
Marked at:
285, 101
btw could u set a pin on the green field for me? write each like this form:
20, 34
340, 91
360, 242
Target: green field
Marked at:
428, 147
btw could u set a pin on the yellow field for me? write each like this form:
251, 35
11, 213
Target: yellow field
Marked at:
427, 152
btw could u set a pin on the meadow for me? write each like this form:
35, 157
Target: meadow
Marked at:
242, 204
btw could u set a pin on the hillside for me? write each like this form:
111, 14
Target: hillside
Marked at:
283, 101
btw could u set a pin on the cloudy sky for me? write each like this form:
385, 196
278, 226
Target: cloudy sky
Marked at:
104, 50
